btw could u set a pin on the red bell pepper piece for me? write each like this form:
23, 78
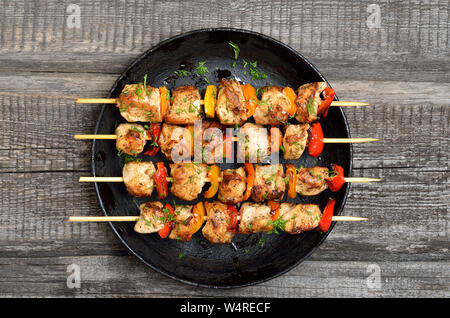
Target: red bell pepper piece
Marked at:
233, 212
274, 209
336, 182
326, 102
325, 221
315, 140
153, 133
168, 222
160, 178
228, 140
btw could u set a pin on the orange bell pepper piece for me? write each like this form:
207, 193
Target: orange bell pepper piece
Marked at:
275, 135
290, 94
250, 170
250, 98
213, 176
165, 99
291, 172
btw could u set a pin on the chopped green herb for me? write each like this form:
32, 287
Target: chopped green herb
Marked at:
182, 73
261, 241
235, 49
201, 68
277, 225
310, 107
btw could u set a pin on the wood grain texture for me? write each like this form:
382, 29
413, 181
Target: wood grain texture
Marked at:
401, 68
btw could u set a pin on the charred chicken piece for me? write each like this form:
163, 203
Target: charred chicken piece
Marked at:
254, 218
188, 179
273, 107
253, 143
295, 140
233, 185
140, 103
299, 218
151, 219
184, 220
130, 138
308, 101
216, 227
312, 181
138, 178
230, 106
212, 142
175, 140
269, 183
185, 107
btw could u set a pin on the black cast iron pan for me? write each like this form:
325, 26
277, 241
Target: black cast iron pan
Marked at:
250, 259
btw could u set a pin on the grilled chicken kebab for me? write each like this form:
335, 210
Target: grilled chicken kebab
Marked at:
260, 183
255, 143
224, 221
233, 104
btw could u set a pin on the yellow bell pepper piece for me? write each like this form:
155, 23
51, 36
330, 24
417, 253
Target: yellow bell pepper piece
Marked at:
198, 212
213, 176
191, 130
210, 100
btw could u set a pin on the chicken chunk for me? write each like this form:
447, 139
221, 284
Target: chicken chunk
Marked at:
216, 227
273, 109
185, 107
230, 106
312, 181
130, 138
183, 221
175, 142
253, 143
299, 218
212, 142
139, 103
295, 140
254, 218
269, 183
188, 180
308, 101
151, 219
233, 185
138, 178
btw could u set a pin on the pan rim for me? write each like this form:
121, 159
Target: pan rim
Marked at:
97, 126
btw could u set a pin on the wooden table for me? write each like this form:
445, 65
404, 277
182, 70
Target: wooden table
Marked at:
401, 66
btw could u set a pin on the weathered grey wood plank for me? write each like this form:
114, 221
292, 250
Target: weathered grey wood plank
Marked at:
124, 277
412, 39
401, 68
411, 118
402, 226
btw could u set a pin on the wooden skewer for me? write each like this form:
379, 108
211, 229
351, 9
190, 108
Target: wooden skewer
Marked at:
96, 101
116, 179
136, 218
120, 179
113, 101
348, 140
325, 140
361, 180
